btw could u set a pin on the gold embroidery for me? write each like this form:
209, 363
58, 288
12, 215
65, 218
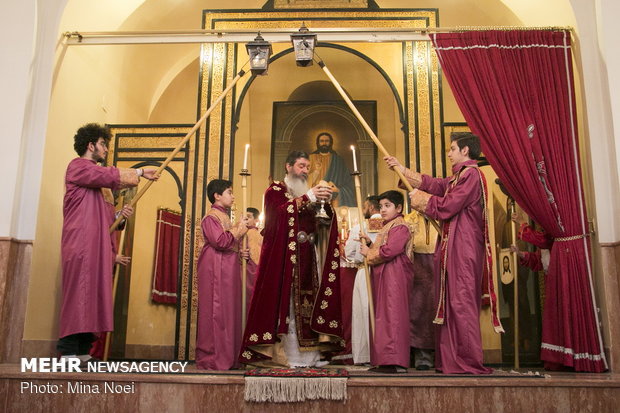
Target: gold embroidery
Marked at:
334, 265
320, 320
247, 355
306, 308
254, 337
290, 209
333, 324
291, 222
276, 188
328, 291
129, 178
267, 336
420, 200
324, 305
332, 277
294, 259
288, 195
291, 233
292, 246
336, 253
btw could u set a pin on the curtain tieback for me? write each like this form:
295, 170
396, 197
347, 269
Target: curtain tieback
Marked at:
572, 238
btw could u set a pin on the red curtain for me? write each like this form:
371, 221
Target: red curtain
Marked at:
515, 89
166, 267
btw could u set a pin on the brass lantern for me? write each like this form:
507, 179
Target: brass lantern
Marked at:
259, 51
303, 43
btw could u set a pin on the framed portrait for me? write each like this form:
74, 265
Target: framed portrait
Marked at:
326, 130
506, 266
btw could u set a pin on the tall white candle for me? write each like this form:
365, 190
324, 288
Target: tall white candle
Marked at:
354, 159
245, 157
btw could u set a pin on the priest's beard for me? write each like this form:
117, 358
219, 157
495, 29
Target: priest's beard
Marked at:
297, 185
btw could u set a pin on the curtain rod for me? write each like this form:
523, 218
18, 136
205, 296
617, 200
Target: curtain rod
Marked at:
281, 35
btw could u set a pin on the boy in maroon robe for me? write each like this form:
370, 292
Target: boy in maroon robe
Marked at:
255, 242
218, 336
392, 275
463, 259
88, 249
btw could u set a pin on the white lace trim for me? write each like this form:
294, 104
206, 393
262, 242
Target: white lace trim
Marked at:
167, 294
576, 356
501, 46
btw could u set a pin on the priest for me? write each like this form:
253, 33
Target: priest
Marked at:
295, 312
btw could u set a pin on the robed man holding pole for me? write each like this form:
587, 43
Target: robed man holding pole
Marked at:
295, 312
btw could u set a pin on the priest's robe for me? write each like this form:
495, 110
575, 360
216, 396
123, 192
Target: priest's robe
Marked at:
348, 272
422, 295
421, 303
87, 248
462, 259
218, 335
288, 277
255, 242
392, 277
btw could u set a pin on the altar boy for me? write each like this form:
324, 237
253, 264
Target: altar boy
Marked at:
392, 269
218, 338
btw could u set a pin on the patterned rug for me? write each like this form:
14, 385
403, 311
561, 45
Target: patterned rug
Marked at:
295, 385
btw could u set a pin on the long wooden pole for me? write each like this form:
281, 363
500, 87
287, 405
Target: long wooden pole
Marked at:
370, 132
117, 272
128, 193
371, 303
515, 281
181, 144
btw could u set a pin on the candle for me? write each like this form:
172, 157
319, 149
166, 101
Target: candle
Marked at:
245, 157
354, 159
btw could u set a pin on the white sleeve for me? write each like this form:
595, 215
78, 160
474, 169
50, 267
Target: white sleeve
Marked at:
311, 195
352, 246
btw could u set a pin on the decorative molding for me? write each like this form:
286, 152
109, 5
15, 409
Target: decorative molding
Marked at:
320, 4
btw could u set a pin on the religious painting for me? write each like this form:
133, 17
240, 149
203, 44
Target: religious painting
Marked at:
326, 131
506, 266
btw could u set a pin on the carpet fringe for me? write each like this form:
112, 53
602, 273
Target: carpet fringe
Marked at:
294, 389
